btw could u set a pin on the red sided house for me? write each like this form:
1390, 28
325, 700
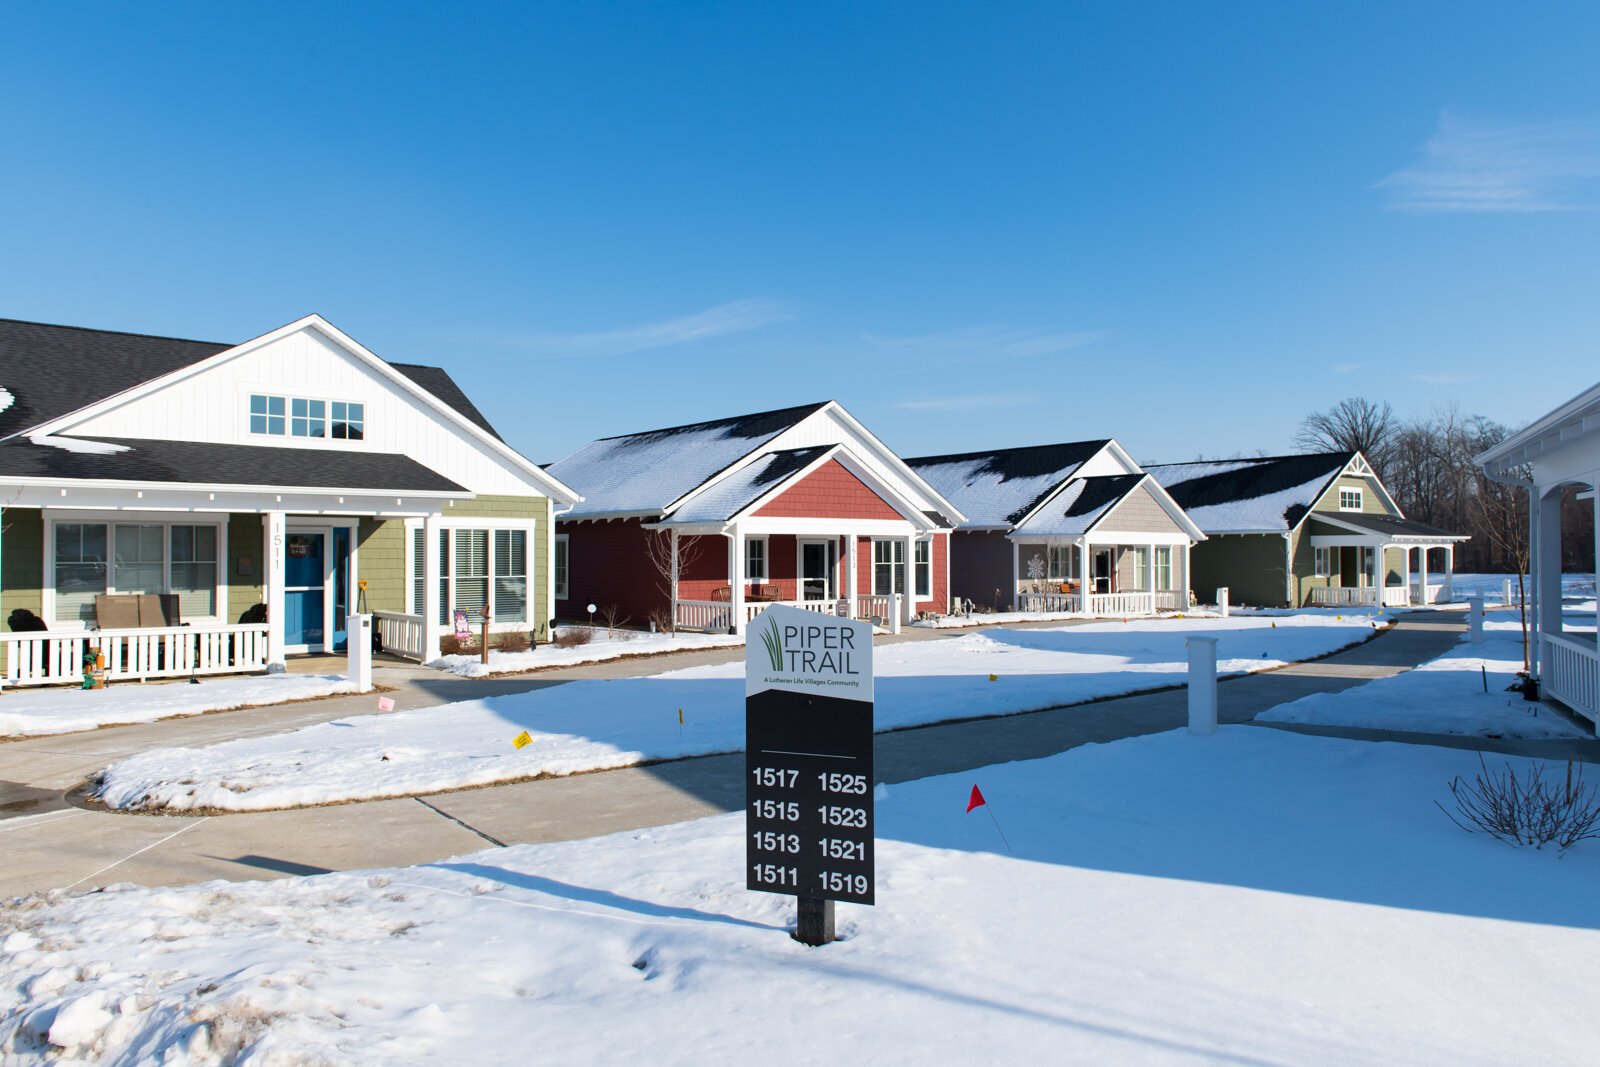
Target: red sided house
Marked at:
709, 523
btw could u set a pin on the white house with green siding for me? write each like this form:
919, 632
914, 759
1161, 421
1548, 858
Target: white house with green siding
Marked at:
189, 507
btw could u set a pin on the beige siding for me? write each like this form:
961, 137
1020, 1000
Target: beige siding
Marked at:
1139, 513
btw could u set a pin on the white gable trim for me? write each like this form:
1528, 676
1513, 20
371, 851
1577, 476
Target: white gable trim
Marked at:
1115, 450
466, 427
1358, 467
1162, 497
888, 455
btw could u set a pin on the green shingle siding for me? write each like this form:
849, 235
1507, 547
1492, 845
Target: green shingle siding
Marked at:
244, 543
381, 562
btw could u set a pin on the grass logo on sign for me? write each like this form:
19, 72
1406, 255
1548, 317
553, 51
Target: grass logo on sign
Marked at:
816, 652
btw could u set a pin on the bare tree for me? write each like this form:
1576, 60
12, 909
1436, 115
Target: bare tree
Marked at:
670, 557
1352, 425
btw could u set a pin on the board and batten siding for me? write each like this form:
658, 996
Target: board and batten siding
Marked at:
214, 406
1139, 512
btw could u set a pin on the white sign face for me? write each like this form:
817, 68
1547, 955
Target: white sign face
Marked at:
808, 652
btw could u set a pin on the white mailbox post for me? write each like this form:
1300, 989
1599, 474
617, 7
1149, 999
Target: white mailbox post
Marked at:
1475, 618
358, 629
1203, 685
1222, 601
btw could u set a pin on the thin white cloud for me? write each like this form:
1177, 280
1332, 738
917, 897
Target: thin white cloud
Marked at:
1442, 379
1473, 166
1349, 368
738, 316
969, 402
990, 342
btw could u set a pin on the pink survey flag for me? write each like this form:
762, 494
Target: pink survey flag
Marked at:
385, 704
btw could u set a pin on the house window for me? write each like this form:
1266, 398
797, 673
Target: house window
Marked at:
1059, 568
1141, 569
142, 558
561, 566
267, 414
299, 416
924, 562
1322, 562
888, 567
478, 567
511, 575
1349, 499
755, 559
1164, 568
469, 575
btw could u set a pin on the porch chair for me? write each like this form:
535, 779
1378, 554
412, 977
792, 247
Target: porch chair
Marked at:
23, 621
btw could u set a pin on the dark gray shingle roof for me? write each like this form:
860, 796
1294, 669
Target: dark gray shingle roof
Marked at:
1000, 487
1388, 525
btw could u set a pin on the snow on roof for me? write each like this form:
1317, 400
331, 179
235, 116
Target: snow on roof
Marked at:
998, 488
1081, 505
642, 473
1267, 495
742, 488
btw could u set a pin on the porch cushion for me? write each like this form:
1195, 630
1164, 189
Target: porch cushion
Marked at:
116, 611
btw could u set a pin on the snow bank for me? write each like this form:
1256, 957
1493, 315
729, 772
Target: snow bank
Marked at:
32, 712
1443, 696
603, 646
596, 725
1251, 897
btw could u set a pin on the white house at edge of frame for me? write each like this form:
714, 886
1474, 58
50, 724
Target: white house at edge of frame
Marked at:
1557, 451
284, 472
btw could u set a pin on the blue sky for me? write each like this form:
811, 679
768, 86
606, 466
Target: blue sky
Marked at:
1181, 225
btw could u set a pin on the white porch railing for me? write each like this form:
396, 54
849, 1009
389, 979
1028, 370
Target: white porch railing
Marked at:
1570, 671
399, 633
1433, 594
1121, 604
1344, 596
1396, 596
157, 652
714, 616
1048, 602
1172, 600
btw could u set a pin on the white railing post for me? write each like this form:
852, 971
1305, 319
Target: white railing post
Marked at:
358, 650
1202, 685
1222, 602
1475, 618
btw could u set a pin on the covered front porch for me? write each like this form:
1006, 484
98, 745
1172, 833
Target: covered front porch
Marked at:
1377, 561
879, 571
1566, 659
1097, 577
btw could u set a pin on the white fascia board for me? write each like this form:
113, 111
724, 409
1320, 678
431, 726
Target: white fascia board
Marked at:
1170, 506
612, 516
1579, 409
885, 492
64, 423
828, 527
1111, 448
1376, 481
1124, 537
888, 455
225, 487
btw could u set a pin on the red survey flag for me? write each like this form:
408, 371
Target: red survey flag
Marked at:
976, 799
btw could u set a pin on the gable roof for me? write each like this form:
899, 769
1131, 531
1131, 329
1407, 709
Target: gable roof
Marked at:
998, 488
744, 487
645, 473
1081, 505
1388, 526
51, 371
1271, 494
209, 463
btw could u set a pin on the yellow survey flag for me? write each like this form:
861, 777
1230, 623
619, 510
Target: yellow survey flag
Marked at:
522, 740
680, 716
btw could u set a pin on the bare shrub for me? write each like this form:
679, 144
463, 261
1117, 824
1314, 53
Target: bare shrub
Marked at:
613, 617
662, 619
1530, 810
513, 641
450, 646
573, 636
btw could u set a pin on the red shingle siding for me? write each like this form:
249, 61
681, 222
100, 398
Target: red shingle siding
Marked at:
829, 492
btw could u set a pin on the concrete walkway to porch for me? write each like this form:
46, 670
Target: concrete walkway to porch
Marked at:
50, 844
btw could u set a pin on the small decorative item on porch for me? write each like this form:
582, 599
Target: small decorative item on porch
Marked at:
463, 628
94, 669
361, 596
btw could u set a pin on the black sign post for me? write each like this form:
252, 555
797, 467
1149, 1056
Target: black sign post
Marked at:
808, 763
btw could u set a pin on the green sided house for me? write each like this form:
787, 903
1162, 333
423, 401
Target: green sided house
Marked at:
1307, 531
188, 507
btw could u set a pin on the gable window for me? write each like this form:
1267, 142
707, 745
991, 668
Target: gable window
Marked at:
1322, 562
1349, 499
755, 559
924, 561
888, 567
299, 416
561, 566
92, 558
1164, 567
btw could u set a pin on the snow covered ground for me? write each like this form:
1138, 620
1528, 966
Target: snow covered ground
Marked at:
32, 712
1577, 587
1443, 696
594, 725
1251, 897
602, 646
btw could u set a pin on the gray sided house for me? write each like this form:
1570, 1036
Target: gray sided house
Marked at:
1311, 530
188, 507
1076, 528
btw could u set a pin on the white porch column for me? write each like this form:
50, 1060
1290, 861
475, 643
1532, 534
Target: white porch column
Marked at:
274, 537
1150, 575
1013, 598
1422, 575
1405, 570
1449, 572
852, 575
910, 612
429, 608
1550, 621
736, 578
1085, 588
1377, 570
672, 578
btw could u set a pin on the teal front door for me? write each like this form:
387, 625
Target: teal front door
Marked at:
305, 586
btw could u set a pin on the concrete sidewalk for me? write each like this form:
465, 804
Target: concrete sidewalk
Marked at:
61, 846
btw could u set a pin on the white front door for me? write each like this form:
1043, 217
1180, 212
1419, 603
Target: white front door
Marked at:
817, 560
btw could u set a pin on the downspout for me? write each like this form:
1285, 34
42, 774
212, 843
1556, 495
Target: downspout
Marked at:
1531, 635
1288, 569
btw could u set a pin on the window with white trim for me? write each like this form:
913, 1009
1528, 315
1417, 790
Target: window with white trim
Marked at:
1322, 562
1141, 569
888, 567
1164, 568
95, 557
299, 416
478, 566
1059, 566
924, 568
561, 566
755, 559
1349, 498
